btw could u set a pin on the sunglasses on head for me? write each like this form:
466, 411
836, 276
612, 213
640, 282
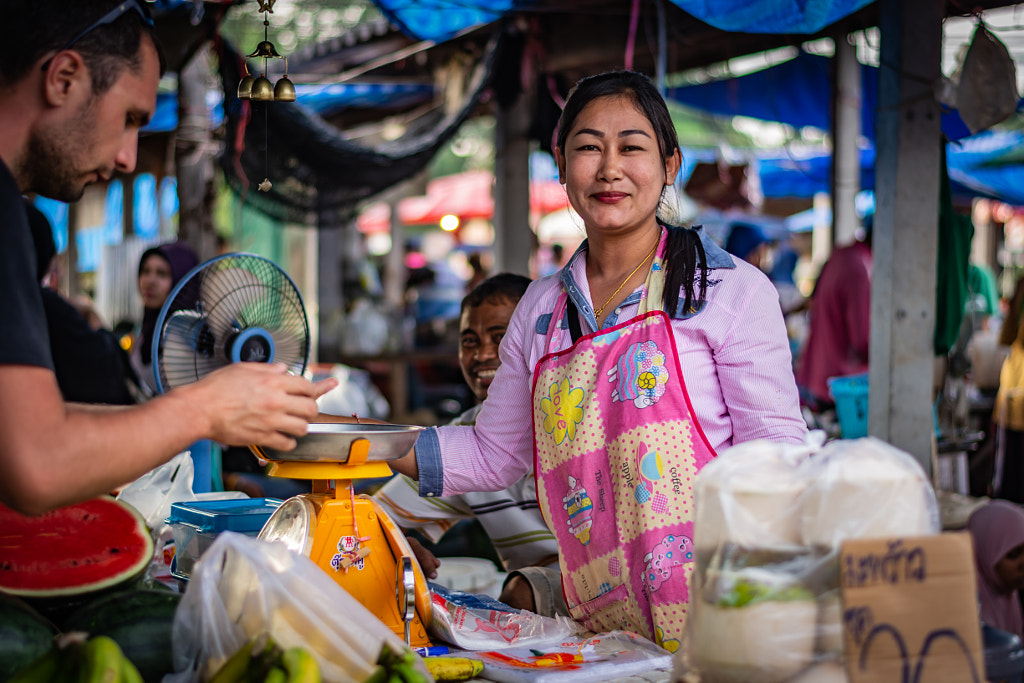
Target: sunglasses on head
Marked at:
140, 7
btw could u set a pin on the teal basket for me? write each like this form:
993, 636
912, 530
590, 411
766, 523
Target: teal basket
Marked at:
851, 396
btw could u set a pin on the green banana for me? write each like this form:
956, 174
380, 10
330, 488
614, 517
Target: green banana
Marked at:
129, 674
235, 668
379, 675
408, 673
43, 668
100, 661
263, 661
301, 665
276, 675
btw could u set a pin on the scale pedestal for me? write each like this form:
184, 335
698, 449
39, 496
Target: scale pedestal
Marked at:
352, 539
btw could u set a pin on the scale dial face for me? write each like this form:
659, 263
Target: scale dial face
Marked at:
294, 524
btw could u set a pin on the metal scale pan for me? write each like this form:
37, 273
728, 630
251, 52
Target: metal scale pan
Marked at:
328, 442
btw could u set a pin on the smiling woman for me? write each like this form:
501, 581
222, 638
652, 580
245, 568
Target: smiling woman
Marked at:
649, 351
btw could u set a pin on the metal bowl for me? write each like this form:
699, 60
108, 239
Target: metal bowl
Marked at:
330, 442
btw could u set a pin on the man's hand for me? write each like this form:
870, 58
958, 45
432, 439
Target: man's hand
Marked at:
428, 563
255, 403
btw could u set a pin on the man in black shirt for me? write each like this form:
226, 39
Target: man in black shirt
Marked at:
79, 80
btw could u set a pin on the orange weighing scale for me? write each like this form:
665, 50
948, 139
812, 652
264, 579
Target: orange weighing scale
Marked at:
350, 536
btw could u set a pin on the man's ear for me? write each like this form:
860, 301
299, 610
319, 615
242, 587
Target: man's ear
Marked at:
65, 73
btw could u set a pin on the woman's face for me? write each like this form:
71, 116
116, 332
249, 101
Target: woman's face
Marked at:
612, 167
1010, 569
155, 281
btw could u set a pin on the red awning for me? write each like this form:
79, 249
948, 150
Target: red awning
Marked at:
466, 195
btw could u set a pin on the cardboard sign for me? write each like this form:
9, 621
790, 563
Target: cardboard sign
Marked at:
910, 610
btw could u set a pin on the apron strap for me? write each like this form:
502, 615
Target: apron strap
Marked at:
574, 321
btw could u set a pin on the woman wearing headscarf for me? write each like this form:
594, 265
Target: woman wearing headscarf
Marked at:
160, 269
998, 532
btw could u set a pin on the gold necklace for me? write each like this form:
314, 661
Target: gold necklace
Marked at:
622, 284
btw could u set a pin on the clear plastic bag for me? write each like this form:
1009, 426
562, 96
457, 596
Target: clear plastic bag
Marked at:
243, 588
769, 521
478, 622
153, 493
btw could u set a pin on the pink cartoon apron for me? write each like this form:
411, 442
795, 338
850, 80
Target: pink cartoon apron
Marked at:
617, 446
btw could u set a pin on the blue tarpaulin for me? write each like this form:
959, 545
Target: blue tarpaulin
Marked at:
326, 99
439, 20
771, 16
798, 93
971, 172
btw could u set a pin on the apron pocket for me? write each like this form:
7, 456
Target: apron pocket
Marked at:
614, 610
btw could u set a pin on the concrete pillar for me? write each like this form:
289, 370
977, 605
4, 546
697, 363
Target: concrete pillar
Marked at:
845, 133
512, 236
906, 227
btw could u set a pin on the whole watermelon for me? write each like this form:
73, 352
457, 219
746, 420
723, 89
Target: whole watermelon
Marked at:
139, 621
24, 635
60, 560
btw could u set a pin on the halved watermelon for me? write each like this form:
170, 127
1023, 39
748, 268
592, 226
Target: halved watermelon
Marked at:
73, 550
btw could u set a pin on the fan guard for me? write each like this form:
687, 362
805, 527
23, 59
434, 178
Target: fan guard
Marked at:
233, 308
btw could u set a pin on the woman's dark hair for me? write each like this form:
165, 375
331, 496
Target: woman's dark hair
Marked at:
685, 262
35, 28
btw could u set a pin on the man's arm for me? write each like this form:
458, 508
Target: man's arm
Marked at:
53, 453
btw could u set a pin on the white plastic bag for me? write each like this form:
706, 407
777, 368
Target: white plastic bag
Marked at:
152, 493
764, 599
354, 395
242, 588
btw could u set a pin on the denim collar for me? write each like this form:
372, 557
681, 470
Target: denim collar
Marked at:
715, 257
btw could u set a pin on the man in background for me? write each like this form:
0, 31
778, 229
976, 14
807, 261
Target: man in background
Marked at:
840, 322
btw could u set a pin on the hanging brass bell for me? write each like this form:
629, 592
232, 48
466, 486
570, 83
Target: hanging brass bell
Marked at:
266, 50
245, 87
284, 91
262, 90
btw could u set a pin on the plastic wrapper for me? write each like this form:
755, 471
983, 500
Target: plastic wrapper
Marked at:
478, 622
243, 588
615, 655
769, 520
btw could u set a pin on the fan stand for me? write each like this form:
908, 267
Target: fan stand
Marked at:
357, 543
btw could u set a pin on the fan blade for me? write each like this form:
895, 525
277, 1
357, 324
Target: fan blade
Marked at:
181, 357
290, 348
225, 294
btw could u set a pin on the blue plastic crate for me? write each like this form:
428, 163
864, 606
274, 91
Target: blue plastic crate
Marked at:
850, 393
195, 525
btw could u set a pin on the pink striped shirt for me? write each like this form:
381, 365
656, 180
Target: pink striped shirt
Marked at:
734, 355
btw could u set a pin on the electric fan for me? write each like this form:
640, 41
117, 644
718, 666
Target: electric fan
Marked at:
232, 308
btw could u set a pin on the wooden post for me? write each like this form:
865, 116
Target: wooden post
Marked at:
905, 241
513, 240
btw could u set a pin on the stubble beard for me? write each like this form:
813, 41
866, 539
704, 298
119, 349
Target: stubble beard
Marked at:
50, 165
